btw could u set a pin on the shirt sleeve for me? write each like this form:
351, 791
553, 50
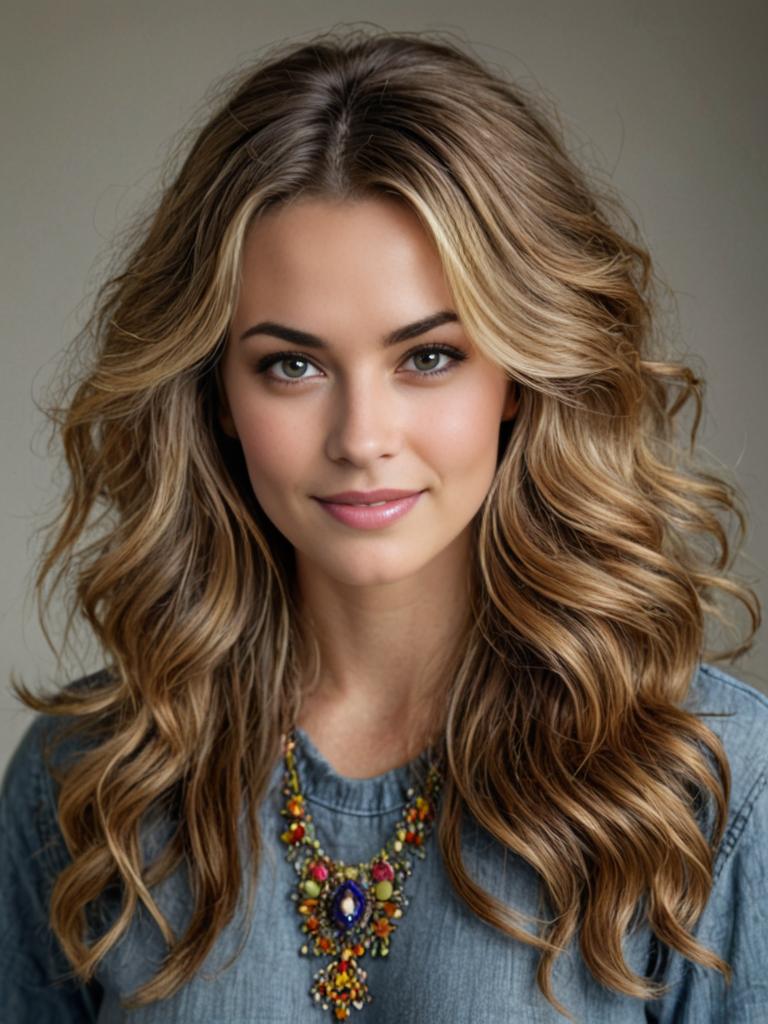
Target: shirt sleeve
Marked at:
734, 925
36, 982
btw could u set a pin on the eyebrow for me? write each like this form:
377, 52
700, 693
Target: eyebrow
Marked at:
413, 330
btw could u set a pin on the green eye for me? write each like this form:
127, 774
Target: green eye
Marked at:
296, 361
295, 364
432, 354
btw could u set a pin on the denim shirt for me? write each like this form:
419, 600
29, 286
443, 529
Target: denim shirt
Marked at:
444, 963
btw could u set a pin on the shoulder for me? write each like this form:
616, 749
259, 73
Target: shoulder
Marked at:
738, 714
732, 924
28, 792
713, 689
27, 808
35, 979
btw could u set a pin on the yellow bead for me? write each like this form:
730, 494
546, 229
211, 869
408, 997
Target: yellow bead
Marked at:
383, 890
401, 834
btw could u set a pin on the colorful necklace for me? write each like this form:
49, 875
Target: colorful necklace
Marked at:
348, 910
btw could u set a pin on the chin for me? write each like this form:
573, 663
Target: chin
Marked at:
365, 570
355, 576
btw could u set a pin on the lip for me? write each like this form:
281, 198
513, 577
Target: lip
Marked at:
356, 497
364, 518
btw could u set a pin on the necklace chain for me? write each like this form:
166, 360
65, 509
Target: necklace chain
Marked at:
348, 910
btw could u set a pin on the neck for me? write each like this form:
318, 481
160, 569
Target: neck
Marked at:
380, 694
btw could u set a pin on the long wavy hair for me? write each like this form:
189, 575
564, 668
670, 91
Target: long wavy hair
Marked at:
602, 548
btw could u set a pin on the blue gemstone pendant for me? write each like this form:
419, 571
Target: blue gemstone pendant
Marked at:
349, 905
349, 910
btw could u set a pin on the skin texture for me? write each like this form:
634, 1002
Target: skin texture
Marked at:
385, 603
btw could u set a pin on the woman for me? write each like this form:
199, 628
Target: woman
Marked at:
377, 512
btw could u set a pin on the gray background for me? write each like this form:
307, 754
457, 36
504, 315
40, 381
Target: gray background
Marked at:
666, 100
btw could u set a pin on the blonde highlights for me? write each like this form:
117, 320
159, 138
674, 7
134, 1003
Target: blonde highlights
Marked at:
565, 736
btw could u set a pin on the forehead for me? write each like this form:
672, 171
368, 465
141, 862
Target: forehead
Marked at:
320, 256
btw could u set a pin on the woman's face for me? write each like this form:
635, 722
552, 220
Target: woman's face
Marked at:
343, 410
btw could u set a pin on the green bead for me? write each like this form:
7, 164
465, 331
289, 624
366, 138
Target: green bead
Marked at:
311, 888
383, 890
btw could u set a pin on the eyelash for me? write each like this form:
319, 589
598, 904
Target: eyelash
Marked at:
275, 357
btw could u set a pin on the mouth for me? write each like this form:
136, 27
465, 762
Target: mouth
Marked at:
382, 496
364, 504
360, 504
369, 515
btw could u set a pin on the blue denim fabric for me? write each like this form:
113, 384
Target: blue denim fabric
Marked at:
444, 964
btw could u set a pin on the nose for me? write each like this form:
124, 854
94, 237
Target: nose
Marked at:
365, 422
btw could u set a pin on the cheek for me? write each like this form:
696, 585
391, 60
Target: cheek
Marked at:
463, 433
271, 445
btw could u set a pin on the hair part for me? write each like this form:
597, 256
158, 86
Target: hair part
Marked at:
565, 736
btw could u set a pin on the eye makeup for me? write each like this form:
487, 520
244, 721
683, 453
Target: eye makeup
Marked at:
267, 362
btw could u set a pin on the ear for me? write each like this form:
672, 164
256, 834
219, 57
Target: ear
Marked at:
512, 401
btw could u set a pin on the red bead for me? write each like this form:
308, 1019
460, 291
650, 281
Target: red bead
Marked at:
382, 871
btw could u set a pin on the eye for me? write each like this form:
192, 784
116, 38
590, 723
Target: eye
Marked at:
296, 364
430, 354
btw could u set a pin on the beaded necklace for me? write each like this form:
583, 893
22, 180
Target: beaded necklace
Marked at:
348, 910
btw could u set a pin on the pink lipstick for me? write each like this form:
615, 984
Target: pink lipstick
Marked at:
369, 510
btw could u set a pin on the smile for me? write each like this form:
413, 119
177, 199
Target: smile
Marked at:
370, 516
